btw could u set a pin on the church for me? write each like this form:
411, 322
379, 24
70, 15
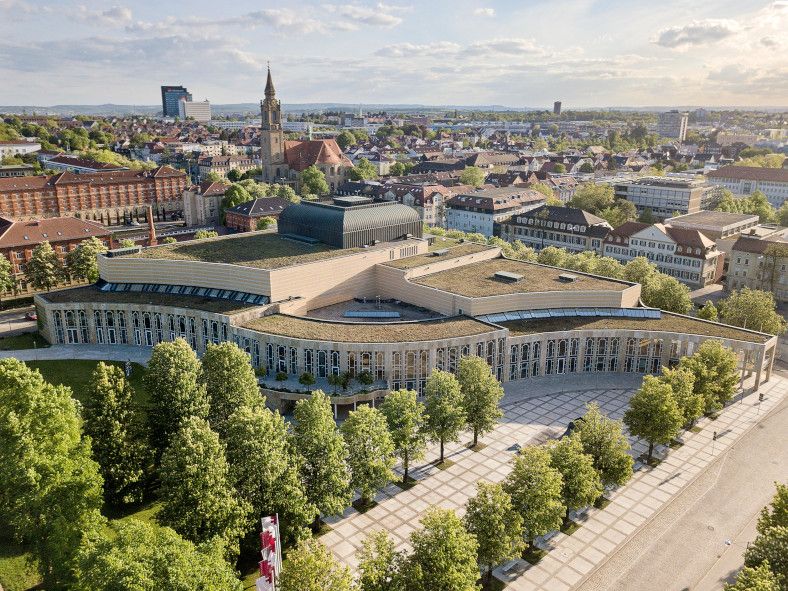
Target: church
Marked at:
283, 161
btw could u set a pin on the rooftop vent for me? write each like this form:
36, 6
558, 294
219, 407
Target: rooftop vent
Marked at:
440, 252
507, 277
568, 278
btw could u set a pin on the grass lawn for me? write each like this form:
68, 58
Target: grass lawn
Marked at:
569, 527
443, 465
17, 572
406, 485
602, 502
26, 340
533, 555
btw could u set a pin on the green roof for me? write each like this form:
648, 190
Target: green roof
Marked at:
263, 250
454, 250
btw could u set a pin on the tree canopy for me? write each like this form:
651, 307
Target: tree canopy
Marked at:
370, 451
311, 567
753, 309
405, 419
653, 413
603, 439
313, 181
481, 394
473, 176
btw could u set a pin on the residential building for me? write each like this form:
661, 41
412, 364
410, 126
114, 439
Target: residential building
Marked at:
170, 99
107, 197
745, 180
759, 263
284, 161
197, 110
728, 138
18, 148
221, 165
244, 217
202, 203
666, 196
688, 255
563, 227
426, 198
673, 124
479, 210
77, 165
12, 170
18, 239
557, 108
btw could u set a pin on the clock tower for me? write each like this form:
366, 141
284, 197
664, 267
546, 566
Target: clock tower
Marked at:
271, 135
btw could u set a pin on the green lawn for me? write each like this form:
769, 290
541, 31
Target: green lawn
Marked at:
22, 341
17, 573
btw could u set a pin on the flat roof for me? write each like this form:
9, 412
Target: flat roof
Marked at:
453, 248
478, 279
712, 218
91, 294
261, 250
368, 332
667, 323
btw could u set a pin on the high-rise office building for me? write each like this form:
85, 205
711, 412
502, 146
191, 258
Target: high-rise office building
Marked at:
673, 124
557, 108
199, 110
170, 96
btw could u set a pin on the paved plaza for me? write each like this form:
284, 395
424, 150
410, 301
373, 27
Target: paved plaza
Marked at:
534, 412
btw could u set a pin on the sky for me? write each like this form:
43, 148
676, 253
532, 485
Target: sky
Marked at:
526, 53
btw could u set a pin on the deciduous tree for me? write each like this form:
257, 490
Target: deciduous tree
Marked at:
370, 451
311, 567
481, 395
667, 293
592, 197
7, 276
753, 309
775, 514
44, 269
82, 262
581, 484
708, 311
770, 547
363, 170
603, 439
473, 176
313, 180
760, 578
639, 270
405, 419
682, 383
443, 404
380, 567
653, 413
716, 377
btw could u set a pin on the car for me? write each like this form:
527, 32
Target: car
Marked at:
571, 427
31, 316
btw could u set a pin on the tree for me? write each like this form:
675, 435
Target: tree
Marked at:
609, 267
230, 382
581, 484
235, 195
770, 548
782, 214
370, 451
775, 514
444, 554
760, 578
592, 197
313, 180
682, 384
535, 488
169, 240
708, 311
311, 567
481, 395
286, 192
118, 433
639, 270
44, 270
174, 389
647, 217
265, 222
586, 167
667, 293
82, 261
379, 566
7, 277
619, 212
50, 490
553, 256
559, 168
444, 406
139, 554
213, 177
603, 439
364, 169
126, 243
324, 469
405, 419
543, 189
473, 176
400, 168
497, 526
345, 139
266, 471
753, 309
234, 175
653, 413
714, 367
197, 497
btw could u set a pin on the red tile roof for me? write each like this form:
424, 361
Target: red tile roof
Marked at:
750, 173
303, 154
52, 229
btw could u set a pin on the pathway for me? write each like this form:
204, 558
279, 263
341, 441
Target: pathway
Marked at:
97, 352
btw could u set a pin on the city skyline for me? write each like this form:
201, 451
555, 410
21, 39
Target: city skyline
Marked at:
582, 52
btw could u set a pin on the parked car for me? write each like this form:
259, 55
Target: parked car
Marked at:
31, 316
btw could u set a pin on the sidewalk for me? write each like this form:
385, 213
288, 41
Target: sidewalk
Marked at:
97, 352
572, 559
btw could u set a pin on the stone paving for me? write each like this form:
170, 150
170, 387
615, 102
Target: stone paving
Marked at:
533, 412
98, 352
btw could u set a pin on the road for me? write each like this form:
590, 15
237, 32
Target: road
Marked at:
697, 542
13, 321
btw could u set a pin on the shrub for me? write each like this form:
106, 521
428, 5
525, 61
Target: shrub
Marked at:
281, 376
306, 379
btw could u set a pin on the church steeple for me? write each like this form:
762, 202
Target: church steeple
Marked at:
271, 134
269, 85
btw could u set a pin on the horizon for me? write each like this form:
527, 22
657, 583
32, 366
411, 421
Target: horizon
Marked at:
585, 53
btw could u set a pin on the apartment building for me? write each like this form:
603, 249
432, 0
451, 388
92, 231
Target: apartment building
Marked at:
563, 227
760, 263
478, 211
668, 196
673, 124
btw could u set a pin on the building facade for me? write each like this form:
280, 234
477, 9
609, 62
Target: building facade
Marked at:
668, 196
428, 199
221, 165
202, 203
480, 210
745, 180
244, 217
18, 148
673, 124
170, 99
197, 110
563, 227
759, 264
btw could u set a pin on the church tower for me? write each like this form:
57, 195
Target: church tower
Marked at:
271, 135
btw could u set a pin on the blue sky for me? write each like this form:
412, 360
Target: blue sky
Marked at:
523, 54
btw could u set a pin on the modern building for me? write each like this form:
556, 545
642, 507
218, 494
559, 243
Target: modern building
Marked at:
715, 224
557, 108
673, 124
244, 217
221, 165
170, 99
19, 239
745, 180
397, 310
284, 161
759, 263
563, 227
18, 148
688, 255
202, 203
14, 170
668, 196
198, 110
107, 197
479, 210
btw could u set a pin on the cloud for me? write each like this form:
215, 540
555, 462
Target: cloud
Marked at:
770, 41
484, 12
113, 17
510, 47
283, 20
414, 50
379, 15
696, 33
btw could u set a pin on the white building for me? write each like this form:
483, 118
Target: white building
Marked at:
17, 148
197, 110
673, 124
480, 210
667, 196
744, 180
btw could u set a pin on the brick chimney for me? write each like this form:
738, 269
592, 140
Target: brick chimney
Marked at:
151, 228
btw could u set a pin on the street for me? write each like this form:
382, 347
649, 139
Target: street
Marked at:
13, 321
697, 542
